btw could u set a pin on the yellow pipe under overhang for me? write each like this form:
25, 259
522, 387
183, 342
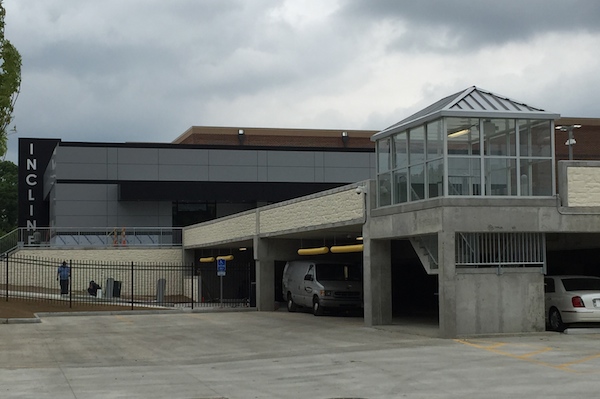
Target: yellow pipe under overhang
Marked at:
313, 251
342, 249
225, 257
207, 260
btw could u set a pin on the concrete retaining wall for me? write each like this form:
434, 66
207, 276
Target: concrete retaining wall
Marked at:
511, 302
144, 278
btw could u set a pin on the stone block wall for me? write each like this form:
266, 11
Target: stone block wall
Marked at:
38, 268
234, 227
583, 186
332, 207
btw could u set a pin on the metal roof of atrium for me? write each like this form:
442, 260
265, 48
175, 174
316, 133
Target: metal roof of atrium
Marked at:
472, 102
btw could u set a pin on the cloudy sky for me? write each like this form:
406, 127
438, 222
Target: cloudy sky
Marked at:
146, 70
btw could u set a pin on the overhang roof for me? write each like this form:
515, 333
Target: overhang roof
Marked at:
472, 102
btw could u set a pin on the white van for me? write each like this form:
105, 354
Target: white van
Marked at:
322, 284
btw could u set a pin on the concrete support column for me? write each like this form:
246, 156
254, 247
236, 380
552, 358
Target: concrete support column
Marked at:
265, 289
266, 252
188, 256
447, 284
377, 282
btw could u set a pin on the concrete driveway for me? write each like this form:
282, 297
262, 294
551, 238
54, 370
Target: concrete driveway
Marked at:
282, 355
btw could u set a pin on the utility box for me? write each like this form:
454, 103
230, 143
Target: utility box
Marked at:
161, 287
112, 289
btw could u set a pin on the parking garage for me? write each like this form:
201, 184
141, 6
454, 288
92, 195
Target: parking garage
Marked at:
460, 225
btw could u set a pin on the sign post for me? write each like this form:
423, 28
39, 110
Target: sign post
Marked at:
221, 270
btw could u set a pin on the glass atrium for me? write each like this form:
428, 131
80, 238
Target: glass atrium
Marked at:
473, 143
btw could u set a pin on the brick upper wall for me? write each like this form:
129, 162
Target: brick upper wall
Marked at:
587, 145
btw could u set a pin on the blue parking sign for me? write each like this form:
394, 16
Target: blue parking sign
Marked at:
221, 267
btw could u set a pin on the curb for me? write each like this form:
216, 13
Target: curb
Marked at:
38, 316
20, 320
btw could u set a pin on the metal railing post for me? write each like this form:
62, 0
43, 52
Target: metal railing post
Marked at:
6, 286
192, 277
70, 283
132, 285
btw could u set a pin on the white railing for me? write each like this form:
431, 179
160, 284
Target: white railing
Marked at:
100, 237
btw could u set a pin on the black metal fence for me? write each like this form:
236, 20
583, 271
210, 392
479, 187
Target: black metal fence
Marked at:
132, 285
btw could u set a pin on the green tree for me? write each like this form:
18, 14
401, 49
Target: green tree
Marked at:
10, 82
9, 183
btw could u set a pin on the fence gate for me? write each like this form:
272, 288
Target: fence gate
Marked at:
236, 284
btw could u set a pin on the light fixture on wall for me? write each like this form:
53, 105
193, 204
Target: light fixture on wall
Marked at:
571, 140
345, 138
241, 136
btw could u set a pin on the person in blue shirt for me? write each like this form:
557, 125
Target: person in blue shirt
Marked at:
63, 275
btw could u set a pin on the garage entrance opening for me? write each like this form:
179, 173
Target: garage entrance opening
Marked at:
414, 292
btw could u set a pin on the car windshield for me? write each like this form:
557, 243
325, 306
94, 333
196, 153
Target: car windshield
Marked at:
338, 272
581, 284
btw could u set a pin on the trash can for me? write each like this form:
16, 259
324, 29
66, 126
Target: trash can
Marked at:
117, 289
253, 294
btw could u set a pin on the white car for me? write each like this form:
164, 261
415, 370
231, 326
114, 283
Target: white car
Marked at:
571, 299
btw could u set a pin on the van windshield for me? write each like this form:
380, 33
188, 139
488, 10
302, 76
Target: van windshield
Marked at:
338, 272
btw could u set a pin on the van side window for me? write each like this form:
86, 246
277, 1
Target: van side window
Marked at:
310, 273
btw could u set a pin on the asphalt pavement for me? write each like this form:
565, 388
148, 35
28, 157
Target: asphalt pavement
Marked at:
248, 354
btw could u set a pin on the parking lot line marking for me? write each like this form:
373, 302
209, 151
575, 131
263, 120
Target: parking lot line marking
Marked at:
582, 360
124, 319
543, 350
492, 347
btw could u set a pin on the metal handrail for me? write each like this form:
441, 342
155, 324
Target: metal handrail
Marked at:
9, 241
99, 237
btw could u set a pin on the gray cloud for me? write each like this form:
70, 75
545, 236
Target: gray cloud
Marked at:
146, 70
460, 25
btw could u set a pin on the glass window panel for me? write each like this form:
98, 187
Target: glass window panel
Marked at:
525, 179
463, 136
435, 178
383, 155
524, 137
384, 189
500, 137
464, 176
501, 176
417, 182
416, 142
541, 136
536, 177
400, 187
400, 150
435, 141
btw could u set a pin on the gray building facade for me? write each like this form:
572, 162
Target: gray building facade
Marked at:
66, 184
